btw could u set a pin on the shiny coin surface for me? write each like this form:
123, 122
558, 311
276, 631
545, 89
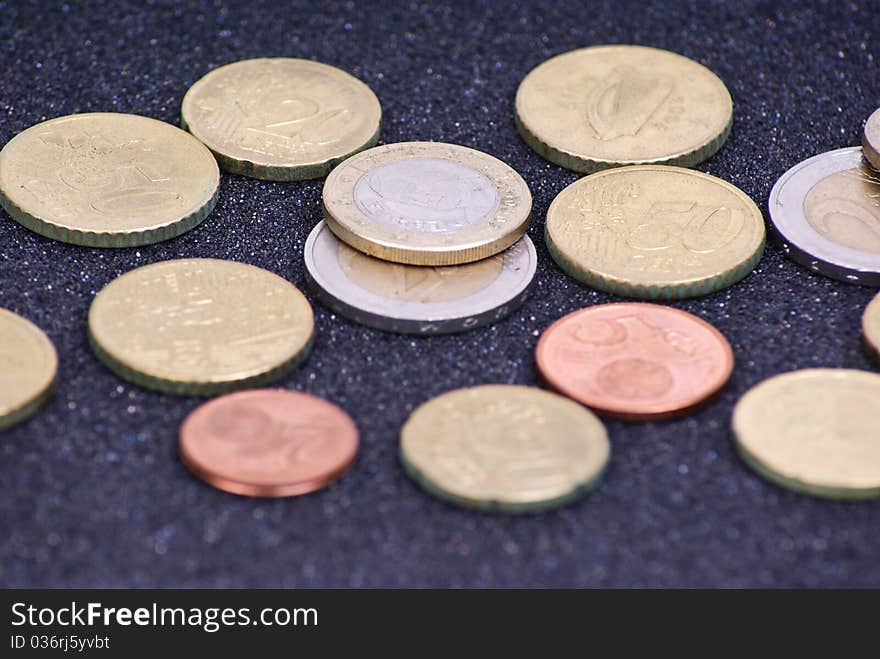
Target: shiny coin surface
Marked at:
504, 448
281, 119
28, 363
871, 140
826, 212
107, 180
871, 326
418, 299
606, 106
814, 431
635, 361
200, 326
655, 232
268, 443
427, 203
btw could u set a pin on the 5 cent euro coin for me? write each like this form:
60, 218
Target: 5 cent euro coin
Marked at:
426, 203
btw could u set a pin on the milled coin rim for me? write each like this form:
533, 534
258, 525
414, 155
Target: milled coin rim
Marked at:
655, 288
112, 239
361, 310
783, 477
801, 242
204, 387
289, 171
500, 505
352, 226
586, 164
29, 406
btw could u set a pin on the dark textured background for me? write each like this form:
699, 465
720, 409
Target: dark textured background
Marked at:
91, 490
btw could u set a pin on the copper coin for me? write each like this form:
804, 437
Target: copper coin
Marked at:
635, 361
268, 443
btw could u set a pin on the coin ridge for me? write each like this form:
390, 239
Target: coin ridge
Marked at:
623, 414
414, 326
496, 505
184, 387
30, 406
289, 172
791, 481
111, 239
435, 255
687, 288
279, 490
588, 165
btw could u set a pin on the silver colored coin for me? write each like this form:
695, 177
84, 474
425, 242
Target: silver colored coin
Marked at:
417, 299
871, 140
826, 212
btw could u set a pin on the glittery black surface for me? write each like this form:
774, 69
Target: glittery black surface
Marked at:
93, 493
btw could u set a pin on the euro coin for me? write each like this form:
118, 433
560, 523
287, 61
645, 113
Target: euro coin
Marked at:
426, 203
825, 210
107, 180
268, 443
418, 299
655, 232
871, 140
606, 106
871, 326
28, 364
814, 431
635, 361
281, 119
504, 448
200, 326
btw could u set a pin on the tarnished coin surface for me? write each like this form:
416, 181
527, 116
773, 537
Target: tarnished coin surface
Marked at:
200, 326
426, 203
871, 326
814, 431
28, 363
871, 140
634, 360
606, 106
107, 180
418, 299
827, 214
652, 231
504, 448
281, 119
268, 443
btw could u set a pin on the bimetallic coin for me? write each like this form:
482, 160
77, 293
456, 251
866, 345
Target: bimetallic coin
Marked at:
814, 431
107, 180
200, 326
606, 106
281, 119
268, 443
504, 448
652, 232
635, 361
871, 140
426, 203
827, 214
871, 326
28, 363
418, 299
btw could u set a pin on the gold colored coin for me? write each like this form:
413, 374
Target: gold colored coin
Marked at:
871, 326
28, 363
655, 232
427, 203
200, 326
107, 180
281, 119
504, 448
814, 431
606, 106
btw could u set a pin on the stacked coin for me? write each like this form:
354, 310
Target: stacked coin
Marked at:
423, 237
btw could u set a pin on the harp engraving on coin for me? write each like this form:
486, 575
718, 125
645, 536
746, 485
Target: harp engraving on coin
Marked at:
845, 209
622, 102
